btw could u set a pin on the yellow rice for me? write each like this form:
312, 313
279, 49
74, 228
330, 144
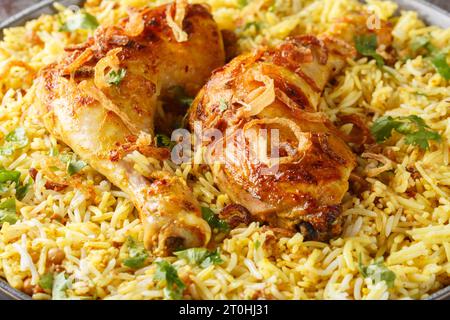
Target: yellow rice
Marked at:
411, 232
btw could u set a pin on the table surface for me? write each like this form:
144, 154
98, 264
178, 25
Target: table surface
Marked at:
8, 7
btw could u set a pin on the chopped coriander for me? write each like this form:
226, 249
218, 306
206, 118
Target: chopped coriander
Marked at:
438, 58
22, 190
254, 24
65, 157
377, 271
174, 286
137, 254
53, 152
223, 105
80, 20
242, 3
8, 211
419, 43
439, 61
214, 221
164, 141
186, 101
8, 176
75, 166
366, 45
46, 281
115, 77
60, 285
179, 94
200, 256
16, 139
414, 128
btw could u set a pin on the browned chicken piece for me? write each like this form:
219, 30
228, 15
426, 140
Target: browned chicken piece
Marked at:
279, 89
101, 101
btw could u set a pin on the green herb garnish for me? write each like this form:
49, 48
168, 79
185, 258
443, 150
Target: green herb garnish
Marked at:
255, 24
60, 285
75, 166
438, 58
242, 3
115, 77
174, 286
16, 139
8, 211
419, 43
53, 152
367, 45
200, 256
214, 221
223, 105
164, 141
8, 176
414, 128
46, 281
179, 94
137, 254
22, 190
80, 20
377, 271
439, 61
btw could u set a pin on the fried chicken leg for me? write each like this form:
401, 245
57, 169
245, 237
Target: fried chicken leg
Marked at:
276, 92
101, 101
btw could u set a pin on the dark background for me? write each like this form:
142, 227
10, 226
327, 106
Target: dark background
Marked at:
8, 7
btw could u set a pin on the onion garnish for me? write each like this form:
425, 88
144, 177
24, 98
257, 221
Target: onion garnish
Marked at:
304, 142
109, 61
259, 98
177, 24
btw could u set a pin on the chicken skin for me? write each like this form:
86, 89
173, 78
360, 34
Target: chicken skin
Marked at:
276, 92
101, 100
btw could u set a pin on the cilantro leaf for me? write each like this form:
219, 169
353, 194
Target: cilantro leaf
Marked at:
8, 176
8, 211
164, 141
80, 20
223, 105
16, 139
366, 45
22, 190
179, 94
377, 271
115, 77
74, 166
174, 286
214, 221
419, 43
255, 24
440, 63
46, 281
200, 256
414, 128
438, 58
60, 285
211, 258
53, 152
242, 3
137, 254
